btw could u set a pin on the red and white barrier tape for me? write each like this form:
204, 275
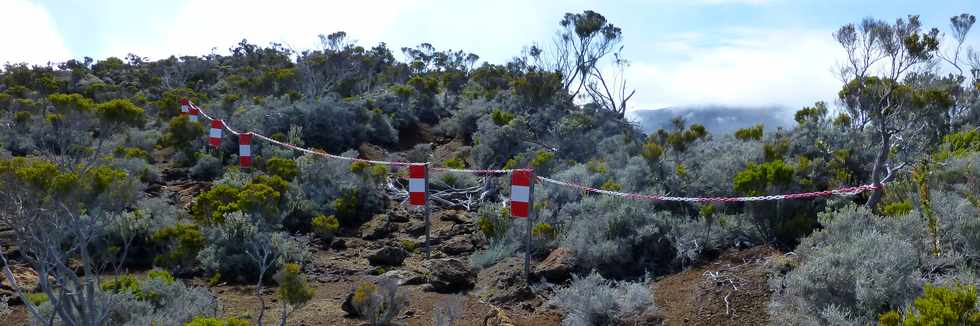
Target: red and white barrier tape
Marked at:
846, 191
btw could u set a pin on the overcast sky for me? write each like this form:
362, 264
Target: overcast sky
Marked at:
683, 53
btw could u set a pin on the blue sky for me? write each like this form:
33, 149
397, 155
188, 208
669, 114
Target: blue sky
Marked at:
695, 52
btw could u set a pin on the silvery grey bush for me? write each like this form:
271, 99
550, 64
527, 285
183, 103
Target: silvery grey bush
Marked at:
594, 300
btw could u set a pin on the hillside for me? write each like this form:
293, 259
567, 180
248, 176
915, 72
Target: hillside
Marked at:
344, 186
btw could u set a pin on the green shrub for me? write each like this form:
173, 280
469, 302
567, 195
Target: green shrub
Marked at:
542, 159
379, 303
455, 163
493, 223
325, 226
182, 134
183, 243
939, 306
123, 284
897, 208
282, 167
611, 186
293, 289
347, 205
230, 321
758, 178
958, 144
409, 245
37, 298
752, 133
543, 230
652, 151
501, 117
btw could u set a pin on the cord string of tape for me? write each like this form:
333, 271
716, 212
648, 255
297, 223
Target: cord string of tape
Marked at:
844, 191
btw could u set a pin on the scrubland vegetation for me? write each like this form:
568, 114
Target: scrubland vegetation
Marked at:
85, 146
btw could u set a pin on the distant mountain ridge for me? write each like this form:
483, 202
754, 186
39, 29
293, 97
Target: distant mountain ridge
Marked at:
717, 119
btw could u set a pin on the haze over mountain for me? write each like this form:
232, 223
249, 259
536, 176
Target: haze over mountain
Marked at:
718, 119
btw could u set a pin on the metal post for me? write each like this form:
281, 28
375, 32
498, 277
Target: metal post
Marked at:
428, 213
530, 219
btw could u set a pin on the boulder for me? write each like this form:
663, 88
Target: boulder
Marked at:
348, 305
557, 267
449, 275
416, 228
338, 244
376, 228
457, 246
388, 256
455, 217
404, 277
504, 282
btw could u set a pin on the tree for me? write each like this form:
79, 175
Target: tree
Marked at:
879, 56
582, 41
61, 222
293, 290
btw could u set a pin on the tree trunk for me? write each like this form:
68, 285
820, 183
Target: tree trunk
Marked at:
879, 167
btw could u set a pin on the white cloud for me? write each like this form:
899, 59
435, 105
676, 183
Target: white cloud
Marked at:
201, 25
29, 34
725, 2
749, 68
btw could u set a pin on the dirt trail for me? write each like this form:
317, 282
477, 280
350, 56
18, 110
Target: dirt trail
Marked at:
698, 295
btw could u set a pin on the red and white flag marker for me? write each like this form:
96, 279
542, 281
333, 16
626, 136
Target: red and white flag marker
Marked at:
417, 184
520, 193
245, 150
521, 204
418, 194
214, 137
185, 106
194, 113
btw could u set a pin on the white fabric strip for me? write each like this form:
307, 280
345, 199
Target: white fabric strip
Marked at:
215, 133
245, 150
416, 185
520, 193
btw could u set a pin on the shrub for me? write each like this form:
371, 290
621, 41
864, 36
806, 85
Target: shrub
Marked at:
593, 300
37, 298
293, 289
753, 133
207, 168
327, 187
230, 321
379, 303
229, 243
282, 167
493, 222
183, 135
326, 227
756, 179
858, 267
897, 208
495, 252
543, 230
455, 163
183, 243
409, 245
448, 312
4, 306
619, 238
501, 117
941, 306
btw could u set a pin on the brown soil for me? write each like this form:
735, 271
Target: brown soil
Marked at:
697, 296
